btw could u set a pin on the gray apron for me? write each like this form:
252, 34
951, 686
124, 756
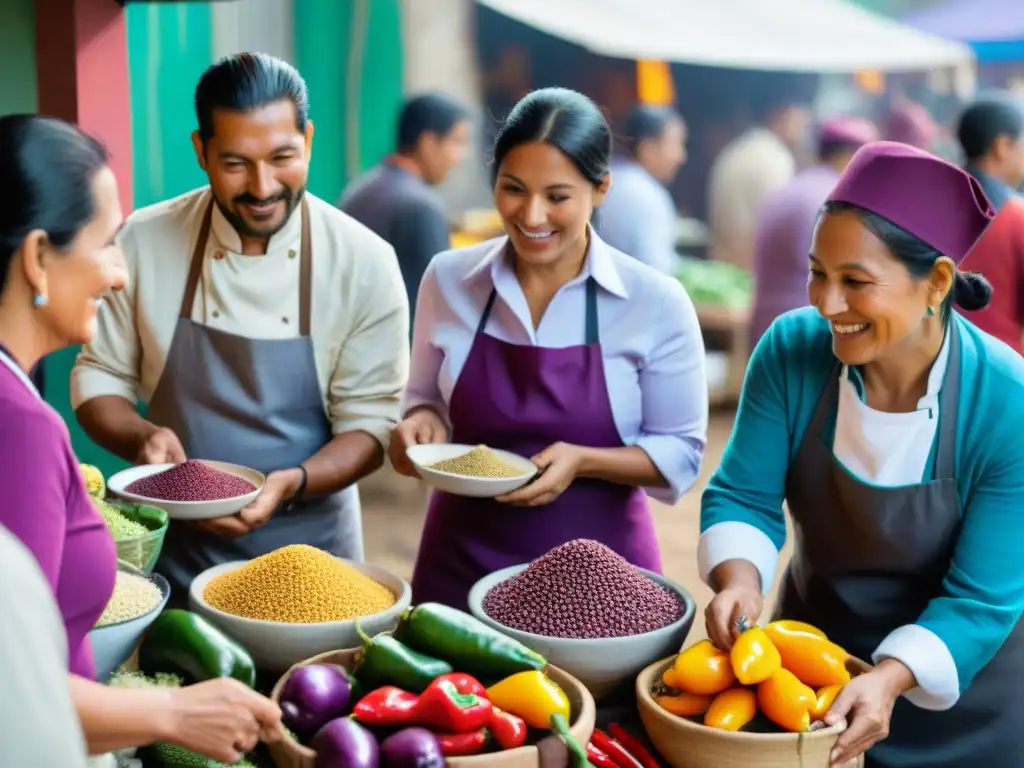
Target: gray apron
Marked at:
868, 560
254, 402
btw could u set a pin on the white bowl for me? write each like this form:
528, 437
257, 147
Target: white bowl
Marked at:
601, 664
460, 485
188, 510
113, 644
277, 645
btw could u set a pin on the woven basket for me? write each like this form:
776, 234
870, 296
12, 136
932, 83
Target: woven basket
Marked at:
291, 754
684, 743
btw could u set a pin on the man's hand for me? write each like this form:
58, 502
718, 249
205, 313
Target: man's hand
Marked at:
280, 486
161, 447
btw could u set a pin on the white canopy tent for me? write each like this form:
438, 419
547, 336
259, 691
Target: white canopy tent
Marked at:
783, 35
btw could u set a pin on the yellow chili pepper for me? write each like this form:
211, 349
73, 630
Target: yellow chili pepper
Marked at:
684, 704
786, 701
703, 669
754, 657
731, 710
531, 695
823, 701
808, 654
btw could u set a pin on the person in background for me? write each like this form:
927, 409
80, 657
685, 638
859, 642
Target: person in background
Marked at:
38, 722
638, 215
785, 225
532, 343
991, 133
265, 328
889, 426
751, 167
59, 262
397, 199
910, 122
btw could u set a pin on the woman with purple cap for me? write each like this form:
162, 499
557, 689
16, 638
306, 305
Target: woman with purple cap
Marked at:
891, 428
551, 344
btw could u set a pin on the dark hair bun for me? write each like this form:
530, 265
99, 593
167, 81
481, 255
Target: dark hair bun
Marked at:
971, 291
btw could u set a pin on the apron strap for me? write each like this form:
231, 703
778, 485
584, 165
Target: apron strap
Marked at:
827, 402
593, 334
949, 401
305, 268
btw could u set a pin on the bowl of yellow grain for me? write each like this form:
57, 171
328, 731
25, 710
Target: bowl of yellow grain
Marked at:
298, 601
471, 470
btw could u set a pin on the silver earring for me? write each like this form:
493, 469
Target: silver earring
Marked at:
39, 299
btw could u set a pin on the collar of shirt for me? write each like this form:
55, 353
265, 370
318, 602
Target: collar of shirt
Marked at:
935, 377
598, 264
8, 361
227, 237
996, 191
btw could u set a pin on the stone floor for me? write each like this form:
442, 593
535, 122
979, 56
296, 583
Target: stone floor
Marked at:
393, 512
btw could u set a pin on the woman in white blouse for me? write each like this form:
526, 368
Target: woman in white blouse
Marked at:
549, 343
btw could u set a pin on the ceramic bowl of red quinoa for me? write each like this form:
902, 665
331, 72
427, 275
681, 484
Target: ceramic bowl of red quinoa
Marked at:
197, 489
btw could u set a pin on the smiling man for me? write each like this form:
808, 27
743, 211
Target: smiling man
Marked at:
263, 327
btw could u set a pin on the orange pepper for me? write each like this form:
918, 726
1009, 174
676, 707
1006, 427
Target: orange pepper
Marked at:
668, 677
732, 709
703, 669
823, 701
684, 704
754, 657
786, 701
808, 654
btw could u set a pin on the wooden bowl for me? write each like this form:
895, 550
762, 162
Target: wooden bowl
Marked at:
291, 754
684, 743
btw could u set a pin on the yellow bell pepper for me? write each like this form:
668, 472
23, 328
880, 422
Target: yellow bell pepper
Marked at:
823, 701
786, 701
684, 704
754, 657
702, 669
732, 709
808, 654
531, 695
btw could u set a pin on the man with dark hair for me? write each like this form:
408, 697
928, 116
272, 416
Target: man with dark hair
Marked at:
638, 216
785, 223
263, 327
991, 133
397, 199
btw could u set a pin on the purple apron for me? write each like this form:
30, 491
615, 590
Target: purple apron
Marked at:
523, 399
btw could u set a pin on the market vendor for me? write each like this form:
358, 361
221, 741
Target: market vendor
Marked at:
265, 328
58, 260
551, 344
890, 426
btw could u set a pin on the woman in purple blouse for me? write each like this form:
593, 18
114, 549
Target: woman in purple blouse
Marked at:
59, 219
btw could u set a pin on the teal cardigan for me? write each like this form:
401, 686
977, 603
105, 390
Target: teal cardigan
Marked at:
983, 592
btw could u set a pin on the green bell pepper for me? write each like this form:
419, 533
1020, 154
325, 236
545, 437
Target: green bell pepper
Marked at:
383, 660
182, 643
456, 636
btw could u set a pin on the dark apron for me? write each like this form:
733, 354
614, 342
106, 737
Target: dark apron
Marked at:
523, 398
867, 560
254, 402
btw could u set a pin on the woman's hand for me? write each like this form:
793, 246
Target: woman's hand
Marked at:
222, 719
420, 427
738, 603
866, 703
558, 465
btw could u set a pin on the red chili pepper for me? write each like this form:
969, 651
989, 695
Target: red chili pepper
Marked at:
508, 730
615, 751
386, 706
638, 750
460, 744
442, 708
464, 683
599, 758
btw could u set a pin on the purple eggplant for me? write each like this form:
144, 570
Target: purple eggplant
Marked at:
412, 748
344, 743
313, 696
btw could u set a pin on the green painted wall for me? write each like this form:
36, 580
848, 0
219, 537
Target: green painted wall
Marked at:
18, 57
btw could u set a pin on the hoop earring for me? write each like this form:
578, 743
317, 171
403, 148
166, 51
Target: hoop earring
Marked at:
39, 299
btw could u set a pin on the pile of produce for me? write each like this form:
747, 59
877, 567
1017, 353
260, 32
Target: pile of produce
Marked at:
191, 481
133, 596
121, 526
298, 584
583, 590
478, 462
95, 484
716, 283
442, 685
789, 672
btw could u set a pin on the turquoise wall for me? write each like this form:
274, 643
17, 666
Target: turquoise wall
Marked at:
18, 57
